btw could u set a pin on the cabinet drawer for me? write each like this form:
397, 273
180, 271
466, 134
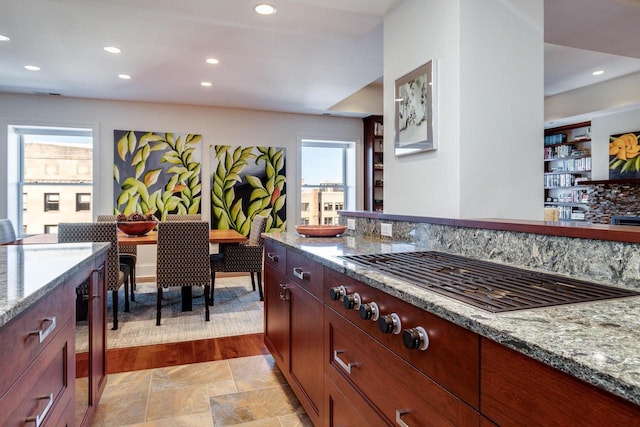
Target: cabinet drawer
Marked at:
518, 390
344, 407
305, 272
275, 255
24, 337
452, 358
43, 390
399, 391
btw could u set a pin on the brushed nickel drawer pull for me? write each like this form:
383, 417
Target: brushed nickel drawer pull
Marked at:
302, 275
399, 414
346, 366
38, 418
42, 335
272, 257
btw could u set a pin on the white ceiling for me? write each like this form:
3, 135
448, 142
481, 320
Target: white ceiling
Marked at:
309, 56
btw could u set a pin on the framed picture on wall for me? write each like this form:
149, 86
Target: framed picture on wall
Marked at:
415, 111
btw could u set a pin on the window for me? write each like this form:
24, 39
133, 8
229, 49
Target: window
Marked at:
327, 171
50, 172
83, 202
51, 202
50, 228
339, 206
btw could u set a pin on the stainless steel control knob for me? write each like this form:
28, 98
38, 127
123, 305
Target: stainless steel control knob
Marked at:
415, 338
390, 324
337, 292
369, 311
351, 302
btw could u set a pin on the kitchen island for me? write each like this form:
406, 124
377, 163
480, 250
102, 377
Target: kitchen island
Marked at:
37, 331
595, 342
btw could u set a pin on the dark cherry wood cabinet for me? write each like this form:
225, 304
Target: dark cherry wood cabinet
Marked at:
293, 323
94, 376
517, 390
37, 350
350, 368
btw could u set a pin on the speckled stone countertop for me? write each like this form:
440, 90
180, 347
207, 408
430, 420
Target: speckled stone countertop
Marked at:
29, 272
598, 342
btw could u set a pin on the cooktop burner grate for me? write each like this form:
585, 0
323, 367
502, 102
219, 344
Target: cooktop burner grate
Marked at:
486, 285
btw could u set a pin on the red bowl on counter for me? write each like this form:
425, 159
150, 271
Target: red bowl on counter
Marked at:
320, 230
136, 228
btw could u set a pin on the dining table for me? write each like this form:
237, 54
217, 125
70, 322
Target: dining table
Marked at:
150, 238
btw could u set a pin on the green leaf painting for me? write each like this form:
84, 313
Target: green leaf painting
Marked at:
245, 182
156, 173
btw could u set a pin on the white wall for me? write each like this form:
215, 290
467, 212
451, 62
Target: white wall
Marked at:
217, 126
426, 183
489, 86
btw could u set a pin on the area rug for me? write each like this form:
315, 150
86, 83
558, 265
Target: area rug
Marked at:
237, 311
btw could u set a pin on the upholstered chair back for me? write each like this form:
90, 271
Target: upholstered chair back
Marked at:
183, 254
183, 217
96, 232
7, 233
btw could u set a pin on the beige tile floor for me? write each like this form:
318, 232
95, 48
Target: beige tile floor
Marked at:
247, 391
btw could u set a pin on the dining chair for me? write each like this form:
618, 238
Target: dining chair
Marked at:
128, 256
241, 257
7, 233
100, 232
183, 217
183, 258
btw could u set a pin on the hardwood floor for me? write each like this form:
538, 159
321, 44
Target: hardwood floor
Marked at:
178, 353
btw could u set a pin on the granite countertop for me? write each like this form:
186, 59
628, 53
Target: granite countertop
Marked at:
597, 342
29, 272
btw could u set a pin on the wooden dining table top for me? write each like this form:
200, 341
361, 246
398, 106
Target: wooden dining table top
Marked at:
151, 238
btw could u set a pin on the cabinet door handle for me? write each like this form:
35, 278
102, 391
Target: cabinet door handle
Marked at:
42, 335
272, 257
302, 275
346, 366
38, 418
399, 414
284, 293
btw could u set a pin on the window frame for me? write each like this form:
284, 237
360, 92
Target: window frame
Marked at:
11, 157
347, 146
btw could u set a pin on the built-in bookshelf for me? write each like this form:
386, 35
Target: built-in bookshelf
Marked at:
373, 163
567, 164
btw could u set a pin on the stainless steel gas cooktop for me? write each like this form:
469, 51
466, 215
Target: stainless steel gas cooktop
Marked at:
486, 285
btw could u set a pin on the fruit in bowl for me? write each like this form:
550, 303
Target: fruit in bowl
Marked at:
136, 224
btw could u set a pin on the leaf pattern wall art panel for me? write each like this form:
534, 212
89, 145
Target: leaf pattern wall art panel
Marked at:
245, 182
624, 156
156, 173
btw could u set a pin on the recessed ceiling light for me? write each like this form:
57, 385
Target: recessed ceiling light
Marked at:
206, 84
264, 9
124, 76
212, 61
32, 67
112, 49
597, 73
4, 38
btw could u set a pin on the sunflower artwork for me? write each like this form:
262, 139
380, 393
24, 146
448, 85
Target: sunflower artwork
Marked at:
624, 156
245, 182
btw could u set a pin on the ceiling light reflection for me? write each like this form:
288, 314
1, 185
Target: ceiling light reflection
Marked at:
264, 9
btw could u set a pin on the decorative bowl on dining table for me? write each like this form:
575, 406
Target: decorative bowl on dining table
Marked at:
136, 224
320, 230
